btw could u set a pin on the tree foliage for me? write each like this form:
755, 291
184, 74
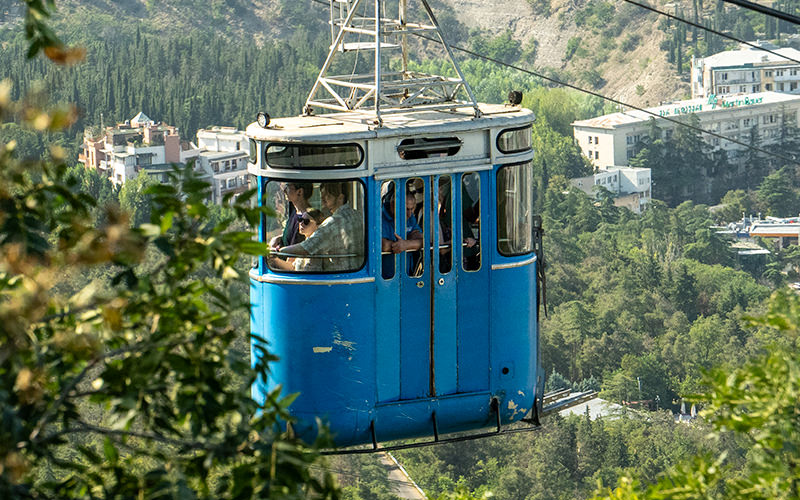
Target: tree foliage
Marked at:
128, 387
757, 402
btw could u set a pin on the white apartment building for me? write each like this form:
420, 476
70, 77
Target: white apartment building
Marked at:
223, 155
631, 186
611, 140
746, 71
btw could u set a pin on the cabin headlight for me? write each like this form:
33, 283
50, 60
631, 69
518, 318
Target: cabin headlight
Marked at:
262, 119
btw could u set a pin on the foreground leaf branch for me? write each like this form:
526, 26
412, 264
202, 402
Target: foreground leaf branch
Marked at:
122, 367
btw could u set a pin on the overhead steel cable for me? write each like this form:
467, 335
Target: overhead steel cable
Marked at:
765, 10
610, 99
710, 30
618, 102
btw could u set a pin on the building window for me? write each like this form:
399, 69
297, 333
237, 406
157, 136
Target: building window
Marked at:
792, 72
792, 86
742, 88
596, 155
756, 88
746, 122
767, 87
724, 76
596, 140
590, 139
780, 87
215, 166
768, 73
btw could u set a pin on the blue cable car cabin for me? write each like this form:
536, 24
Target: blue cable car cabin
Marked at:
400, 295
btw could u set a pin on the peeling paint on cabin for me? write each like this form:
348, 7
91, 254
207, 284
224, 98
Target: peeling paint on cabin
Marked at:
348, 345
514, 407
321, 350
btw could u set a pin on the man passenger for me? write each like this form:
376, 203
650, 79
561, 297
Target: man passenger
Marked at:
391, 242
339, 240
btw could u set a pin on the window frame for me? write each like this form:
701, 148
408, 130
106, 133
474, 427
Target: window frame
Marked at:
515, 129
361, 181
359, 148
529, 163
479, 239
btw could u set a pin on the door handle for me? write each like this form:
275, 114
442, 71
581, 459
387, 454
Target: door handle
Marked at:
441, 281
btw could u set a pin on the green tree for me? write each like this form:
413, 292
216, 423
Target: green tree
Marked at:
135, 199
130, 386
756, 402
777, 195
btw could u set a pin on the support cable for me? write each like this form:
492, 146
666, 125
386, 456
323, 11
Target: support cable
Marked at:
793, 159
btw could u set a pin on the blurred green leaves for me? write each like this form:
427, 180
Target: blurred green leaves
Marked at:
129, 386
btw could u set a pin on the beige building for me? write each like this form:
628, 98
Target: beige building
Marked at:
746, 71
138, 145
611, 140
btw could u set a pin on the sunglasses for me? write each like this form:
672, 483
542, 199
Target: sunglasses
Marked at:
305, 221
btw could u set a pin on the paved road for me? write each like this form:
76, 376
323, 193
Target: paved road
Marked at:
402, 485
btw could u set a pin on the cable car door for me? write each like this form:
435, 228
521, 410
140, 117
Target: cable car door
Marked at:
419, 284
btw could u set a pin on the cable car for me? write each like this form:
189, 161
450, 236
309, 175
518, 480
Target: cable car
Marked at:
401, 292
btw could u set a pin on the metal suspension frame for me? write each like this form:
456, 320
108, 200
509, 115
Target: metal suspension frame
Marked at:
384, 92
552, 403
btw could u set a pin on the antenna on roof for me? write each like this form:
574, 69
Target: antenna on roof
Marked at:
384, 91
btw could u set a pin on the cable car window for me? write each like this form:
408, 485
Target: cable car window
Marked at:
314, 156
253, 151
319, 227
515, 140
514, 209
414, 149
388, 228
415, 236
445, 224
471, 220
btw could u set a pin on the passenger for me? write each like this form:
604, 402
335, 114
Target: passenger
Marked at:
309, 222
391, 242
445, 226
339, 240
471, 212
298, 194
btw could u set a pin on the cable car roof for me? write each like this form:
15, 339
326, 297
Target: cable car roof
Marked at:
350, 126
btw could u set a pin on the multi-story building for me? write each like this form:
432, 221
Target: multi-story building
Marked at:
746, 71
223, 154
630, 186
611, 140
138, 145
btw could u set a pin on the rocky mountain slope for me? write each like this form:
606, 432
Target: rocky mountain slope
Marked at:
640, 76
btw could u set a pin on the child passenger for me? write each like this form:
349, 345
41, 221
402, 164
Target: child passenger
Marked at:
309, 221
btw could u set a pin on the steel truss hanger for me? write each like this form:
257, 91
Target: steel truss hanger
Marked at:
384, 91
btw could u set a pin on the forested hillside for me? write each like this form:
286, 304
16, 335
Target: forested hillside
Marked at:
639, 305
